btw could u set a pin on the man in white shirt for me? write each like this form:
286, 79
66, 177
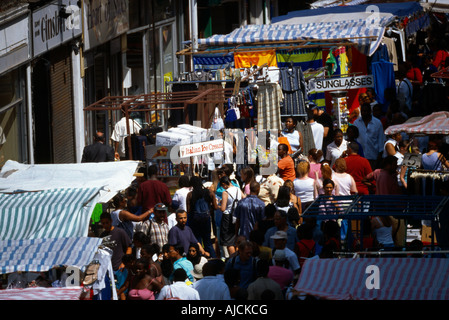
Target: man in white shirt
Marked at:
120, 133
316, 127
179, 290
280, 243
371, 135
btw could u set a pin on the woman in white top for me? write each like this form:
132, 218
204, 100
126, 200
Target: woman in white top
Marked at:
382, 230
227, 227
293, 136
391, 146
304, 185
346, 183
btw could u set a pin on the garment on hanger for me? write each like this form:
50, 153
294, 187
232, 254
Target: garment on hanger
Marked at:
383, 78
392, 54
306, 59
307, 136
255, 58
294, 89
399, 38
269, 97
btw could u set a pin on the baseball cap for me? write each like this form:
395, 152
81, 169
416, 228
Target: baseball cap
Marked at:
312, 105
160, 207
279, 235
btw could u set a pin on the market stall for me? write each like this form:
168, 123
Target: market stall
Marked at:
375, 279
331, 44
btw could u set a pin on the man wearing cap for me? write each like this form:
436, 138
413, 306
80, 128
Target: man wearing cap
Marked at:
156, 228
280, 242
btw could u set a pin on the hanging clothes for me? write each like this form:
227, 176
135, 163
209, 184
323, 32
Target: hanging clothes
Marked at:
255, 58
306, 59
294, 89
269, 97
392, 54
383, 78
307, 136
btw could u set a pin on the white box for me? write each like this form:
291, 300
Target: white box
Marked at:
171, 138
196, 130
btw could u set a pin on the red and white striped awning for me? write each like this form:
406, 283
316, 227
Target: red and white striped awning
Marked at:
435, 123
355, 279
41, 293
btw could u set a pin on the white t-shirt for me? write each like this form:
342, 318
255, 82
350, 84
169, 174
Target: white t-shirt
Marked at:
304, 189
345, 183
333, 152
180, 196
393, 142
318, 135
120, 133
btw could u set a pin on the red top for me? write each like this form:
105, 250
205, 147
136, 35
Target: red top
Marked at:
358, 167
440, 58
152, 192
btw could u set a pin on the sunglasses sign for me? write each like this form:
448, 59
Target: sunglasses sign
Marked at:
344, 83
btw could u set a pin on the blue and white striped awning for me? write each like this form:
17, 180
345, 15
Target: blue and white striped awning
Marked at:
335, 3
361, 32
48, 214
363, 25
40, 255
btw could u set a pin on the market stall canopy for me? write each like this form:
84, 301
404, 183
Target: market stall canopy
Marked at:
363, 25
439, 6
40, 255
109, 177
48, 214
435, 123
376, 279
42, 293
334, 3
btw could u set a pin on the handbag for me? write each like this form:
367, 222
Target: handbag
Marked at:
233, 112
218, 122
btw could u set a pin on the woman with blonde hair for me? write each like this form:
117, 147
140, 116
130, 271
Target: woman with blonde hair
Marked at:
344, 181
304, 185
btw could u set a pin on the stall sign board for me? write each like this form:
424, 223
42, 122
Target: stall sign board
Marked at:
344, 83
197, 149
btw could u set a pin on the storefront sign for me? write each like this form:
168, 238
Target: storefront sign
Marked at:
197, 149
50, 30
104, 20
345, 83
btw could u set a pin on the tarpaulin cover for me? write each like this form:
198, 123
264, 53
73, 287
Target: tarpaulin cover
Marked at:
40, 255
376, 279
42, 293
435, 123
111, 177
46, 214
354, 23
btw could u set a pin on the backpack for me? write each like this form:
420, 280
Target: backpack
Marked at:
201, 209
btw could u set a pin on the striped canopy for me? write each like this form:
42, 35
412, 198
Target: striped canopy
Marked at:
435, 123
363, 25
48, 214
39, 255
42, 293
376, 279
